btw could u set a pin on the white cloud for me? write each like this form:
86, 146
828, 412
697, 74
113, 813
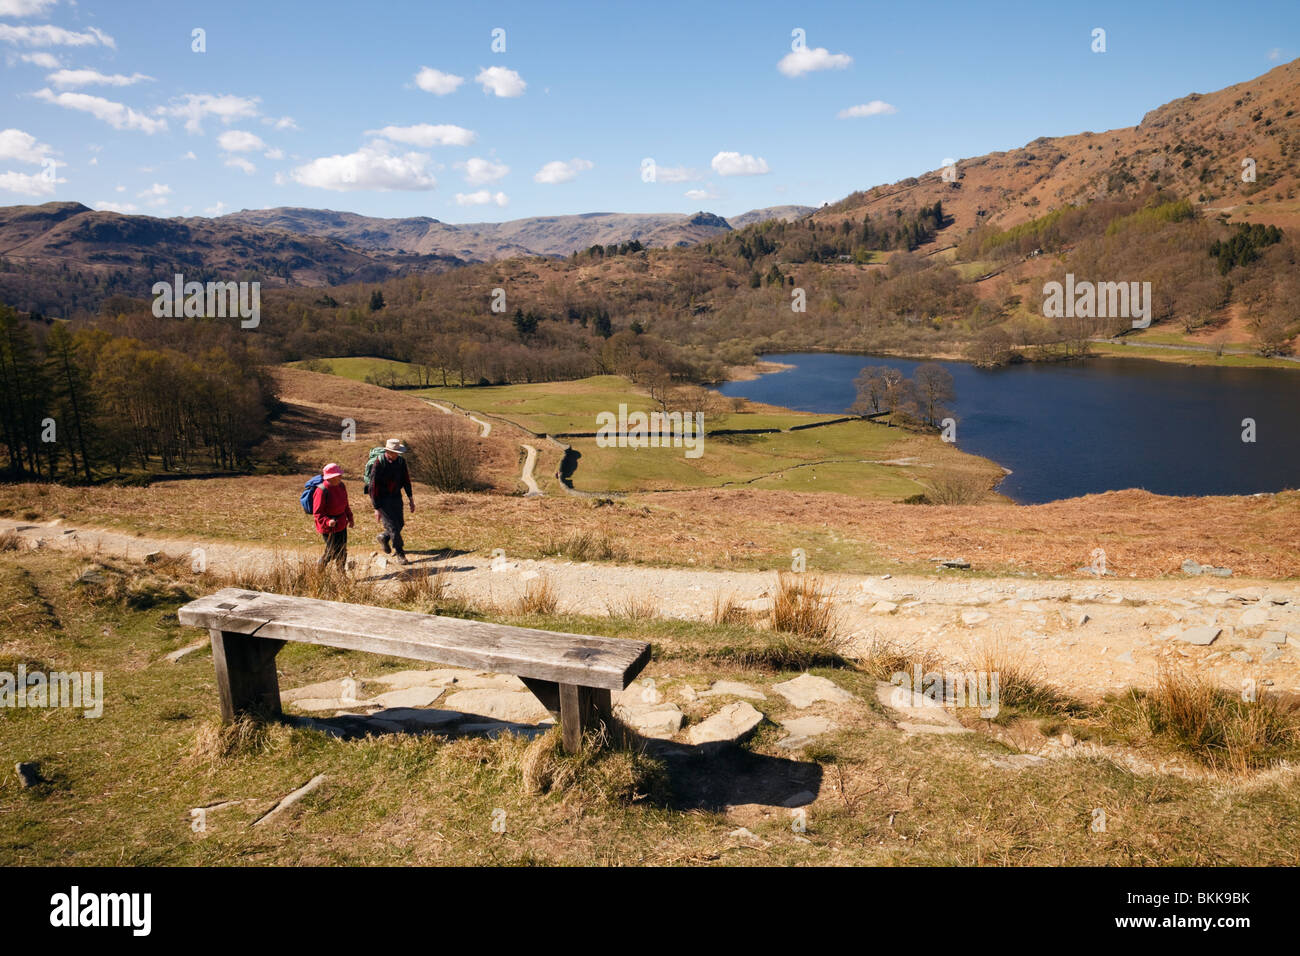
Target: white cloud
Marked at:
479, 171
677, 174
105, 205
560, 171
799, 62
114, 114
734, 164
195, 107
481, 198
24, 8
47, 35
69, 78
120, 189
874, 108
274, 152
701, 194
425, 135
370, 167
20, 146
28, 184
1275, 53
189, 155
46, 61
154, 191
436, 82
239, 141
215, 209
501, 81
238, 162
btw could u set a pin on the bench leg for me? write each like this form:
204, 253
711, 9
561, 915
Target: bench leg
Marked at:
580, 708
246, 680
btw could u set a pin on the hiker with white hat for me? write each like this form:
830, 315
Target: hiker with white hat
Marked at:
388, 479
333, 515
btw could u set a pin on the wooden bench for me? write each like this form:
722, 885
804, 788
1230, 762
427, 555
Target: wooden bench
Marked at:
571, 674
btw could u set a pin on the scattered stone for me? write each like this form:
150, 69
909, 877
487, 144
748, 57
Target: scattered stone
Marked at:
745, 835
920, 714
512, 706
661, 720
805, 690
687, 693
1202, 636
1273, 637
91, 577
1270, 655
1241, 657
801, 731
730, 725
972, 618
800, 799
1191, 567
958, 565
416, 718
1018, 761
884, 607
734, 688
29, 774
1067, 740
1125, 658
1081, 619
1255, 617
174, 656
290, 800
406, 697
152, 557
1220, 572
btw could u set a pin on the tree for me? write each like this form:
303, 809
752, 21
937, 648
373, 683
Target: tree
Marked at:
934, 386
376, 301
870, 387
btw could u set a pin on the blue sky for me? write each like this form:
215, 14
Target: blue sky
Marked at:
355, 106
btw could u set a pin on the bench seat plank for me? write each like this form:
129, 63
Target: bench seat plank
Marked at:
599, 662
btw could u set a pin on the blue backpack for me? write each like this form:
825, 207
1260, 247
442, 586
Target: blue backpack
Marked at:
309, 492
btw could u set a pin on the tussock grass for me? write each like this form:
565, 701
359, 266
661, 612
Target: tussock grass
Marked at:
883, 658
539, 597
726, 610
634, 607
597, 776
9, 540
1021, 684
586, 545
215, 742
1218, 729
802, 606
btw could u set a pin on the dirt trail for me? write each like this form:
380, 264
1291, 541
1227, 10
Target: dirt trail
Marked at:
1088, 636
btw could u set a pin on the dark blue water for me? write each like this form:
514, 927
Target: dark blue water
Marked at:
1076, 428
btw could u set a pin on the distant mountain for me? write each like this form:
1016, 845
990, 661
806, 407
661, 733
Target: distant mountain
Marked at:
484, 241
784, 213
63, 257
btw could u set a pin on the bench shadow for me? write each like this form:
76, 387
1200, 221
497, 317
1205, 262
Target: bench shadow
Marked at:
708, 777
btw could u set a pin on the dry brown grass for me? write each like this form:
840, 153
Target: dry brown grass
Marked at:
215, 741
1021, 683
598, 775
1221, 730
726, 610
9, 540
634, 607
957, 488
803, 605
539, 597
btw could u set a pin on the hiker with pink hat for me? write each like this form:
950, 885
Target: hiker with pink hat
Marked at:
333, 516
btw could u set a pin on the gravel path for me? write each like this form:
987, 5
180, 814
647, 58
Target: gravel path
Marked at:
1088, 636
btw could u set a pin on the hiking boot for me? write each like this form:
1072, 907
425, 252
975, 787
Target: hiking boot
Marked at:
383, 543
402, 558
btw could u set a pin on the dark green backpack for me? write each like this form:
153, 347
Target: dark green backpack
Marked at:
375, 454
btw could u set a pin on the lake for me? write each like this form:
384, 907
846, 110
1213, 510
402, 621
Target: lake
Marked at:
1074, 428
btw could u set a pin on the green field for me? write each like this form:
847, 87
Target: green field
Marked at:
829, 459
1190, 356
557, 408
364, 368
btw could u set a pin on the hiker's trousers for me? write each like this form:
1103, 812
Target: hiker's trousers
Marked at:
336, 549
393, 519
